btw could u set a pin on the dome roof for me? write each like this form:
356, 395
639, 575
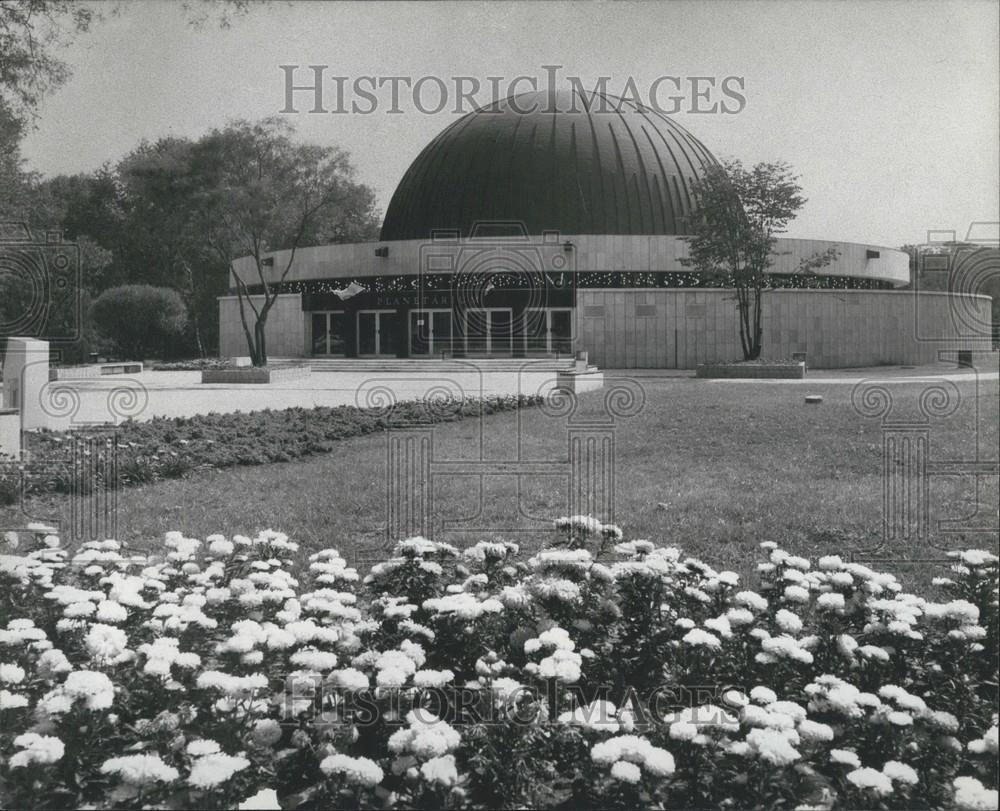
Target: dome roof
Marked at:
577, 163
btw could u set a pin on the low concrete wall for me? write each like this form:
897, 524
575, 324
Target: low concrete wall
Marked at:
96, 370
680, 329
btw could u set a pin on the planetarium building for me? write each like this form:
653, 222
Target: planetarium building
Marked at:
545, 224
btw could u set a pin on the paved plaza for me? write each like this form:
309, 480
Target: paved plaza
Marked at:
113, 399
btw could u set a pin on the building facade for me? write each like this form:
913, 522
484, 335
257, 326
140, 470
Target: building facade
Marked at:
547, 224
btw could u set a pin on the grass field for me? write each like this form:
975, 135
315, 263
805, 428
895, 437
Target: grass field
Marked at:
714, 467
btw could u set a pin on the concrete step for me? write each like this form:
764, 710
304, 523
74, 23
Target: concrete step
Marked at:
422, 366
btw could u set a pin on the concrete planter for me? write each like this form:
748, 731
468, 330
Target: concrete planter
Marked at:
579, 382
754, 371
95, 370
255, 375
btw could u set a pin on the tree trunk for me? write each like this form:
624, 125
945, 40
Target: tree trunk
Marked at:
755, 345
260, 343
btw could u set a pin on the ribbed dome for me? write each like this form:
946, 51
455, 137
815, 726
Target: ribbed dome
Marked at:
571, 162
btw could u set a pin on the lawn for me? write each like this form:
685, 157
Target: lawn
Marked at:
714, 467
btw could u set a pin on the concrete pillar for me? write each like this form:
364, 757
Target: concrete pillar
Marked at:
25, 374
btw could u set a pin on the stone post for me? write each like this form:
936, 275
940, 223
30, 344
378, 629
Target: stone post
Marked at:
25, 374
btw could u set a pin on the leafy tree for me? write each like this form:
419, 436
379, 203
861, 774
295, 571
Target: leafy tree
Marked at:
162, 197
141, 320
732, 234
265, 192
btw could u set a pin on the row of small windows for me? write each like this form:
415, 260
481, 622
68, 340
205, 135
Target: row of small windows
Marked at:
565, 281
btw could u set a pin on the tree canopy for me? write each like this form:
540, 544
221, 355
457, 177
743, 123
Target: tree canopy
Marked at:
733, 234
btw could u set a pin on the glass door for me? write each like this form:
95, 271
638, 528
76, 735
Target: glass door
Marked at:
549, 331
430, 332
501, 334
328, 333
377, 332
488, 331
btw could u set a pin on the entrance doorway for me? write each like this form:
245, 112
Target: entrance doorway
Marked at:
430, 332
378, 333
329, 333
549, 331
488, 332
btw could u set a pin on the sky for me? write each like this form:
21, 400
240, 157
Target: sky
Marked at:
888, 111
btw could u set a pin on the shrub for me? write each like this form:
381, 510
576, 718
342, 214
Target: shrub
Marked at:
595, 674
140, 320
165, 448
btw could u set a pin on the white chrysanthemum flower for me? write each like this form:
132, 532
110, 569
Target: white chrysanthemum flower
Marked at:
872, 779
786, 647
111, 611
763, 695
971, 795
845, 757
626, 772
900, 772
432, 678
751, 600
506, 690
312, 659
441, 770
220, 547
988, 743
773, 746
814, 731
94, 688
562, 665
212, 769
264, 800
11, 673
696, 637
427, 736
238, 686
636, 750
202, 747
79, 610
35, 748
12, 701
598, 716
830, 601
349, 678
788, 621
140, 770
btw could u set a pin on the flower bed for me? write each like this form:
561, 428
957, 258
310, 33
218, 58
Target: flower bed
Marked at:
595, 674
194, 365
170, 448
